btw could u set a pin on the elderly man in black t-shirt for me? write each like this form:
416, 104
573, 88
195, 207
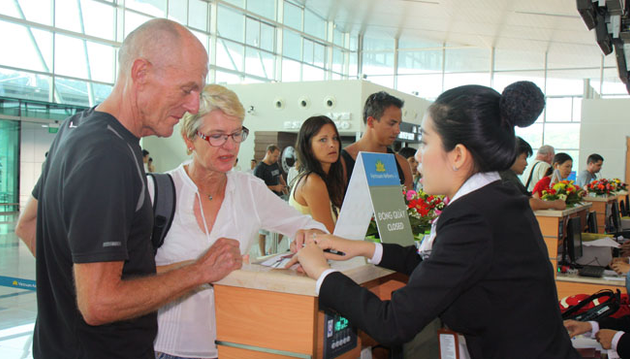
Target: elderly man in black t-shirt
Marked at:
97, 291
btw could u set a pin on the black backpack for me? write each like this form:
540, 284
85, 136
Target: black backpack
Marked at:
164, 200
608, 303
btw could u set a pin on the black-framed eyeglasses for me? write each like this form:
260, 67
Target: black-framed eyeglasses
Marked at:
218, 139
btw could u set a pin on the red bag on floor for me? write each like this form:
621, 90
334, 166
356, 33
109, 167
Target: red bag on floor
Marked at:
584, 307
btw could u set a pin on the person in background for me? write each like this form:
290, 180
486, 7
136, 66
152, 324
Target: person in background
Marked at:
97, 290
236, 167
319, 187
269, 171
150, 166
593, 166
524, 150
213, 201
145, 160
541, 164
410, 154
382, 115
252, 166
467, 273
293, 173
561, 169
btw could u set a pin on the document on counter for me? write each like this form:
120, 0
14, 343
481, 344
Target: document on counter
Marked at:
602, 242
276, 261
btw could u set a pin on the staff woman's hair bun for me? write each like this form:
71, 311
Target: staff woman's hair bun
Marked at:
521, 103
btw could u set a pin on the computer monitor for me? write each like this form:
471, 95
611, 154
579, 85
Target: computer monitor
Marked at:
615, 218
574, 240
591, 222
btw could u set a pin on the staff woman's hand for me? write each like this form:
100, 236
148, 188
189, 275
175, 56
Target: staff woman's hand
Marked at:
349, 248
311, 259
575, 327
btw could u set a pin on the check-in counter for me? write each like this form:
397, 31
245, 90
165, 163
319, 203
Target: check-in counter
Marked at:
268, 313
553, 225
601, 205
571, 284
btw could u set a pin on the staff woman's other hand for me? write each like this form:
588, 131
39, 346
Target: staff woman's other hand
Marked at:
575, 327
311, 259
301, 236
605, 337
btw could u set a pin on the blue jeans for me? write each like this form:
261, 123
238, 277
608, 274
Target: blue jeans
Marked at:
159, 355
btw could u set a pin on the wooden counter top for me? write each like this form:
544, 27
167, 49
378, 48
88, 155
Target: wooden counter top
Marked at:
556, 213
254, 276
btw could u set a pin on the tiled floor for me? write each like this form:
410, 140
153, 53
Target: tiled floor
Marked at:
18, 307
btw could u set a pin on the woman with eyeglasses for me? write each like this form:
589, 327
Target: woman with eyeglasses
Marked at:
213, 202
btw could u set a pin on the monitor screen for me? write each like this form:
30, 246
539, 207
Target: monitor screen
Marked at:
574, 239
615, 218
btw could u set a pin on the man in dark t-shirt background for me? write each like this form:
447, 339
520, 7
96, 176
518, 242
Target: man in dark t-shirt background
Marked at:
90, 219
269, 171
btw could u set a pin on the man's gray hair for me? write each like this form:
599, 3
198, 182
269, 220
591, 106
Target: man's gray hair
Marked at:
546, 150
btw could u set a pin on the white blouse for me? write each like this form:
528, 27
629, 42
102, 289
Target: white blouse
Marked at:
186, 326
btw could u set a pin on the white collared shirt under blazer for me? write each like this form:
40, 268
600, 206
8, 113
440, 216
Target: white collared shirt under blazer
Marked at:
187, 327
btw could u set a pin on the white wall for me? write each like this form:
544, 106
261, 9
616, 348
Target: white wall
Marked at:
349, 96
35, 142
605, 125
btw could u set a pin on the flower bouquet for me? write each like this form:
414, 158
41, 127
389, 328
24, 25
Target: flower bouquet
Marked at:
422, 210
564, 190
619, 185
601, 187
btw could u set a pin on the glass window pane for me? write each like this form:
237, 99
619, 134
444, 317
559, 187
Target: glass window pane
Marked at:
292, 16
419, 62
319, 54
227, 78
577, 109
424, 86
460, 79
70, 57
177, 12
133, 20
563, 135
290, 70
155, 8
67, 15
558, 109
102, 62
310, 73
28, 54
198, 14
612, 83
267, 36
354, 42
101, 92
36, 11
252, 35
338, 37
308, 51
266, 8
71, 91
337, 65
378, 63
467, 60
259, 63
533, 135
566, 82
292, 45
230, 55
372, 42
506, 60
24, 85
9, 165
353, 67
9, 8
314, 25
230, 24
408, 42
98, 19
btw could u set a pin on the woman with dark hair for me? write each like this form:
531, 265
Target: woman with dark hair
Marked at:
484, 269
560, 170
409, 154
318, 189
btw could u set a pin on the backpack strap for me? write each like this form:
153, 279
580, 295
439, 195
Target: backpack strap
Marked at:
603, 309
164, 200
531, 173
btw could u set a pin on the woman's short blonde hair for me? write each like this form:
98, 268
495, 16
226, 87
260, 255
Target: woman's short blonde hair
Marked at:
213, 97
